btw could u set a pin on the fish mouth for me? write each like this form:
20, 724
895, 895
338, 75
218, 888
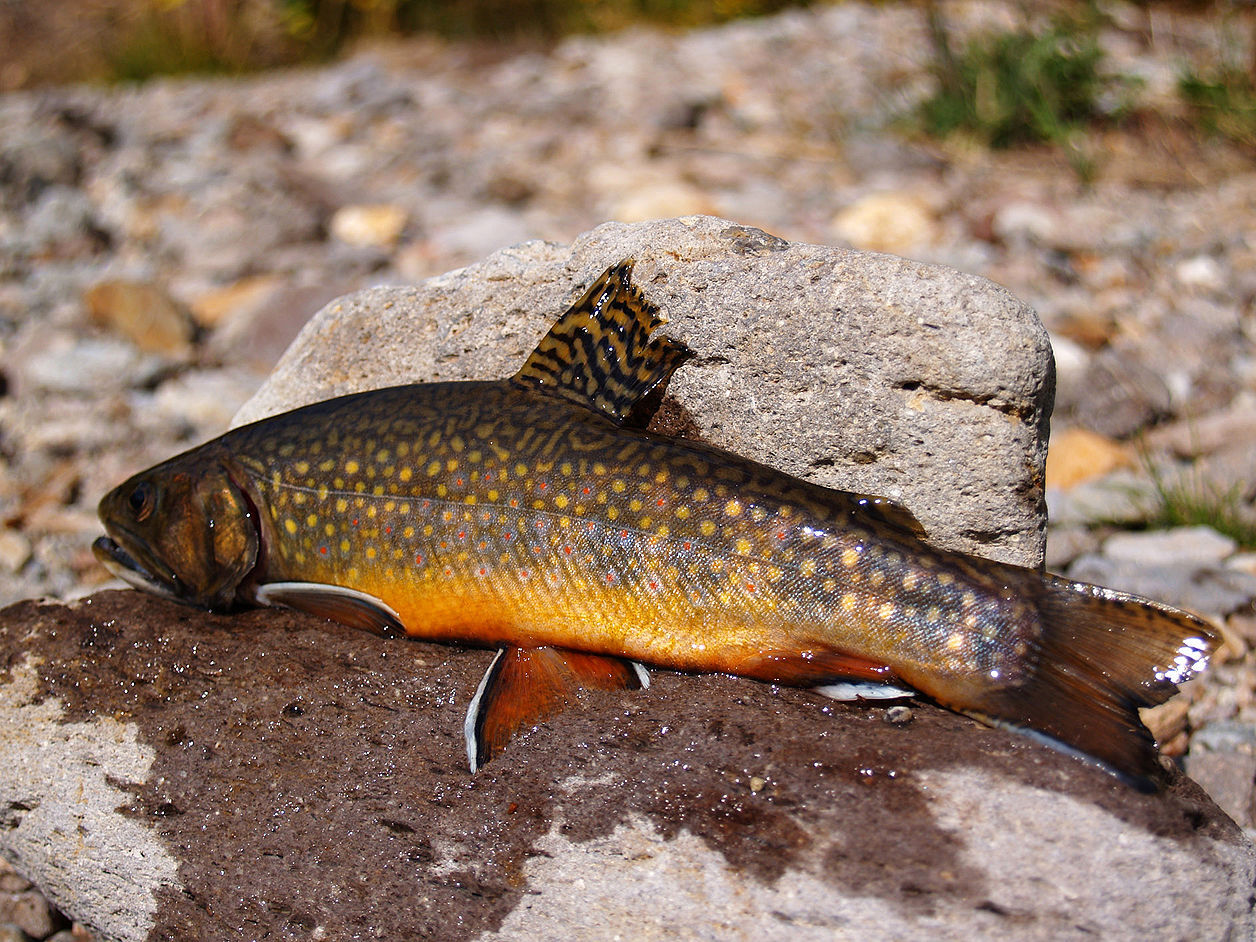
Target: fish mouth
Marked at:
129, 569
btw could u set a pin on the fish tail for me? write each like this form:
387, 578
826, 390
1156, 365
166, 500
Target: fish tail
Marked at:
1101, 655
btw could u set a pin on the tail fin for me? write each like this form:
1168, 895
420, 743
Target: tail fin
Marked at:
1102, 655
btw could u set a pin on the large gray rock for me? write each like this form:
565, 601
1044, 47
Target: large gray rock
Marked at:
855, 370
169, 774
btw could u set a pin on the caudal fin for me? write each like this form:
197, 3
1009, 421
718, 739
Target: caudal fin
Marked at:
1101, 656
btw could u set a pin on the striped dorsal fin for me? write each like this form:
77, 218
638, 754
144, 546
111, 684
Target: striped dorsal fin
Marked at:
600, 355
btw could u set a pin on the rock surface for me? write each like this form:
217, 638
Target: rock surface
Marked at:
703, 808
860, 371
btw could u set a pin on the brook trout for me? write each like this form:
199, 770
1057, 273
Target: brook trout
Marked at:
535, 514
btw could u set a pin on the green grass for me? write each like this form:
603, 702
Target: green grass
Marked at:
1222, 101
1028, 86
163, 37
1191, 501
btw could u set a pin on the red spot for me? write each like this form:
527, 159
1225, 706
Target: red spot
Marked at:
418, 559
659, 502
483, 571
323, 550
427, 504
750, 586
508, 537
567, 550
388, 529
355, 521
610, 577
523, 573
536, 549
513, 502
443, 544
688, 545
586, 490
654, 585
541, 486
623, 534
781, 535
488, 476
458, 482
483, 544
462, 534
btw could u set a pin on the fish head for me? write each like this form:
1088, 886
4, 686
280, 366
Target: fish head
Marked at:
183, 530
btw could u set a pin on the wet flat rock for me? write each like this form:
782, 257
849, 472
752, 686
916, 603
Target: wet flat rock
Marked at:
850, 369
176, 775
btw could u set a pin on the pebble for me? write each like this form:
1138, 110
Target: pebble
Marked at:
1180, 546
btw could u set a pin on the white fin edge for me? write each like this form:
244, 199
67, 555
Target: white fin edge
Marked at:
473, 711
643, 675
863, 690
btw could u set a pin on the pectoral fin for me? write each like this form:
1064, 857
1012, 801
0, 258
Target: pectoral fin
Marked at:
523, 686
346, 606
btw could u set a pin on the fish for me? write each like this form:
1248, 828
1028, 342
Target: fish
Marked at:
539, 516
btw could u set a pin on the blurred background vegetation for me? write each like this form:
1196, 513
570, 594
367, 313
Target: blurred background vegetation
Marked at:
1045, 80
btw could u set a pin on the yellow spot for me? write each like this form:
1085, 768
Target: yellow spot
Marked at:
344, 546
663, 532
830, 585
451, 464
644, 523
408, 532
618, 486
877, 577
327, 464
910, 580
427, 530
521, 469
635, 505
848, 602
303, 467
968, 600
970, 621
329, 529
311, 520
850, 557
370, 511
886, 610
612, 513
565, 468
433, 469
469, 499
341, 505
743, 547
932, 613
405, 474
351, 467
807, 567
732, 508
441, 490
290, 525
944, 578
701, 494
955, 642
706, 528
560, 501
493, 495
370, 552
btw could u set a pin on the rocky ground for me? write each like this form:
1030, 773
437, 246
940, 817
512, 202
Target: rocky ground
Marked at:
160, 245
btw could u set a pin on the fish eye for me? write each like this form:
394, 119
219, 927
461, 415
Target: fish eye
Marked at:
141, 500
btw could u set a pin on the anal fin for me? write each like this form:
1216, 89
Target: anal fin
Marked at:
523, 686
340, 604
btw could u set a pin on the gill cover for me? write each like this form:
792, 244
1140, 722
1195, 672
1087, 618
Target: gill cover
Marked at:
182, 529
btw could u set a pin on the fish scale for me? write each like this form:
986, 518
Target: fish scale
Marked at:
536, 514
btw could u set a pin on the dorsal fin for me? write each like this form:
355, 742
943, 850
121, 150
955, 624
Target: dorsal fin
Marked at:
600, 354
